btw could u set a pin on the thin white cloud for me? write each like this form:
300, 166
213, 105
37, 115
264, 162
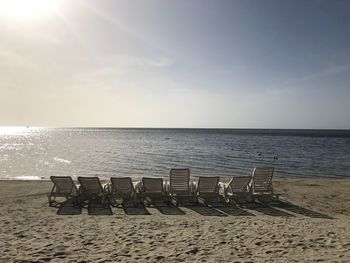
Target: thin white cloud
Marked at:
332, 70
120, 25
158, 62
11, 59
119, 61
327, 71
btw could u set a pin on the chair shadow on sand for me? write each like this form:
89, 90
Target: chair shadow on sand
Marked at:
227, 209
98, 209
205, 210
169, 210
300, 210
135, 210
68, 208
233, 210
267, 209
279, 208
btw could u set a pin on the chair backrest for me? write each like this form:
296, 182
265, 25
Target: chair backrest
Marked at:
262, 179
152, 185
90, 185
63, 184
240, 183
208, 184
122, 185
179, 180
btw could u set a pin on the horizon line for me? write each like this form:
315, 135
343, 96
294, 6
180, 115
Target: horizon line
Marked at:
179, 128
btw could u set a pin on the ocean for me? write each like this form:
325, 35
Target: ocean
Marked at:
38, 153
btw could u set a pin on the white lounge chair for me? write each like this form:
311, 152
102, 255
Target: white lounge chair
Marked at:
180, 188
91, 189
208, 189
63, 187
238, 190
262, 183
151, 191
121, 188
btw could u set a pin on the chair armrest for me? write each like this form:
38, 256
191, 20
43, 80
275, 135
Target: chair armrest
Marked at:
80, 189
53, 189
165, 190
107, 187
250, 187
227, 188
222, 185
167, 187
138, 187
135, 187
193, 188
250, 184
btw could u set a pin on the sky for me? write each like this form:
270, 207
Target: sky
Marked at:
175, 64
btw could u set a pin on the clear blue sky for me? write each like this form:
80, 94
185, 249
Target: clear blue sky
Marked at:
224, 64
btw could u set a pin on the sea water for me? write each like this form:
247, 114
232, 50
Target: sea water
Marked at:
38, 153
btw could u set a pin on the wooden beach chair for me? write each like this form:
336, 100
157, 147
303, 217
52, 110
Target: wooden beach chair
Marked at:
121, 188
63, 186
91, 189
180, 187
152, 191
262, 183
207, 189
238, 190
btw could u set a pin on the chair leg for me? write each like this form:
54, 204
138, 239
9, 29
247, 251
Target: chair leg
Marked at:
75, 201
50, 200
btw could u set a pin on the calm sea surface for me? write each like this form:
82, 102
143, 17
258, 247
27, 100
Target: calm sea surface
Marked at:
35, 153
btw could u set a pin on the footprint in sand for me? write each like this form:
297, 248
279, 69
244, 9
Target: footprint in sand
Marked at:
46, 259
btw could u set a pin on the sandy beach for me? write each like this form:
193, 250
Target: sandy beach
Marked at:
312, 224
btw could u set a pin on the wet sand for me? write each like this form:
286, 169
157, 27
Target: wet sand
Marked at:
311, 224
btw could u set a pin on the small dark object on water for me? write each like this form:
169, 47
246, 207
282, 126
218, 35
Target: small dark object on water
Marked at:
259, 153
275, 157
167, 138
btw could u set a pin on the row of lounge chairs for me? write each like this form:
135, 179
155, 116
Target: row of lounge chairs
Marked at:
179, 189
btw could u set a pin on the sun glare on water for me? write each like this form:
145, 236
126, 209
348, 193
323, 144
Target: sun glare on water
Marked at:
18, 130
26, 8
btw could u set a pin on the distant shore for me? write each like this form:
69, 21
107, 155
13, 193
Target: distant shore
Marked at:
312, 223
